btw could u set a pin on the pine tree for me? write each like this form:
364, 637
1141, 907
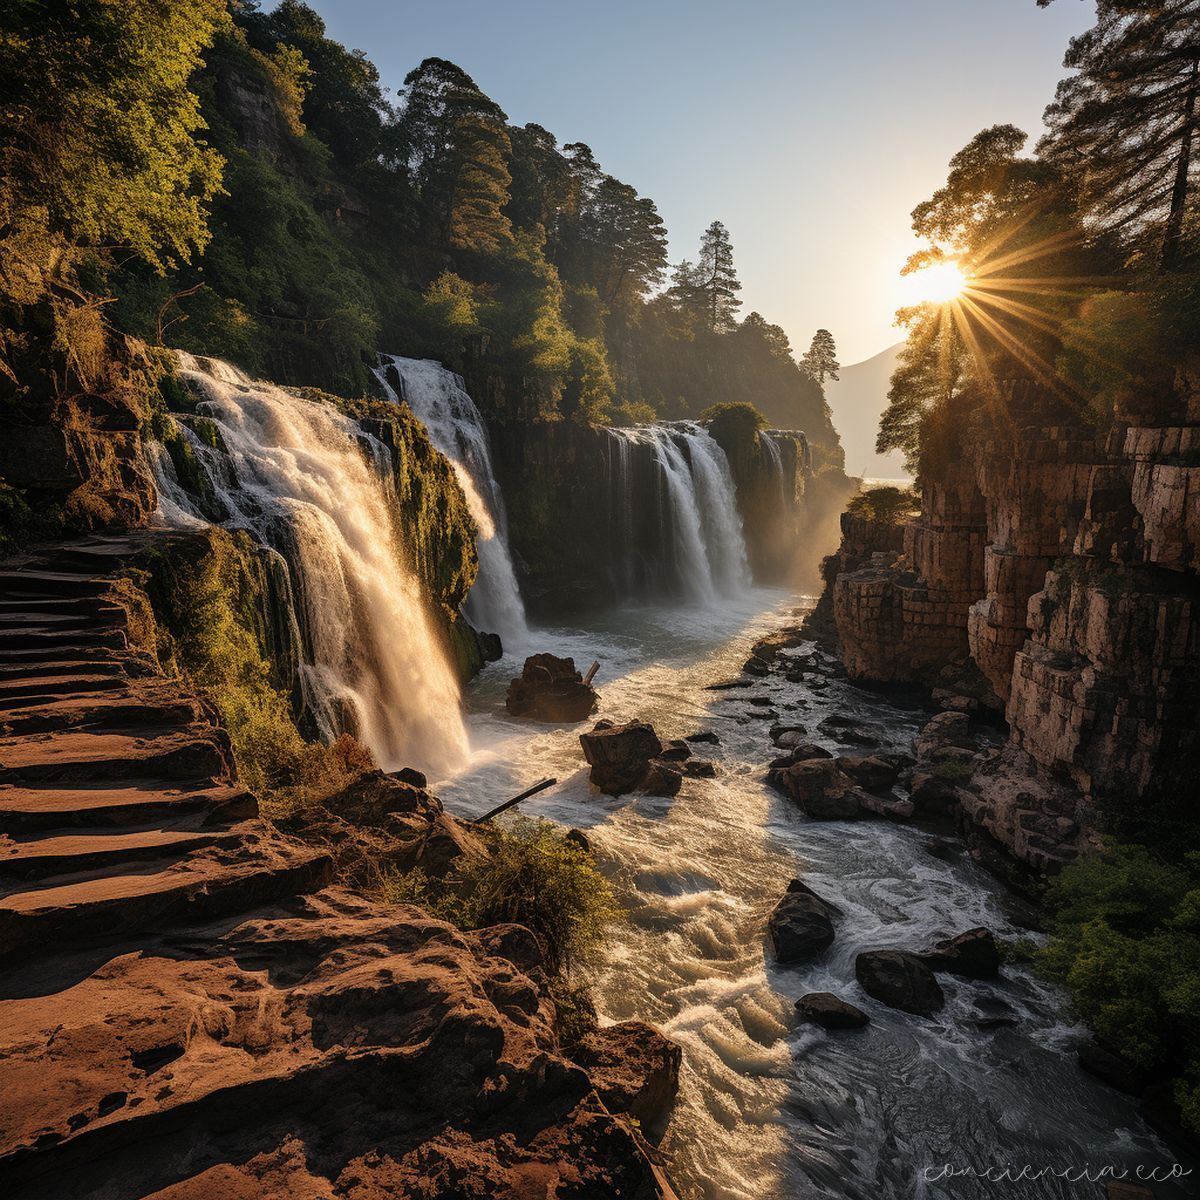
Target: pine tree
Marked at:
716, 278
820, 360
1126, 121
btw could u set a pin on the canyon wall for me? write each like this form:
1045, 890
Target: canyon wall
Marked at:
1050, 577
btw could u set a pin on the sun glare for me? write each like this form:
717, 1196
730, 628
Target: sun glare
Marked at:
938, 284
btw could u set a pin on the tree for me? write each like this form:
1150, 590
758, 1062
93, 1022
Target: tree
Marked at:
820, 360
99, 132
715, 280
1126, 120
454, 144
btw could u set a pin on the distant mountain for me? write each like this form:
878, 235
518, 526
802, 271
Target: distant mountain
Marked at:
857, 400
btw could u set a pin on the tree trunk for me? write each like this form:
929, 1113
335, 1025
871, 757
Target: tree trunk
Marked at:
1174, 234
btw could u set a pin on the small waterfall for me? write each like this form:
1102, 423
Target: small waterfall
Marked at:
293, 473
774, 457
440, 400
674, 519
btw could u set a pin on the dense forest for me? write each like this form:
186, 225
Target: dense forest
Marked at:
261, 198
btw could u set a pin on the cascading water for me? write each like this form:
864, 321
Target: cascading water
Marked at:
293, 473
774, 457
440, 400
675, 508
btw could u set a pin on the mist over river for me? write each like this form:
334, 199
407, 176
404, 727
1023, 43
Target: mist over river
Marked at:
769, 1108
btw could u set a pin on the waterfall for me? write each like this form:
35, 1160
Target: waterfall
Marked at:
293, 473
440, 400
774, 457
674, 518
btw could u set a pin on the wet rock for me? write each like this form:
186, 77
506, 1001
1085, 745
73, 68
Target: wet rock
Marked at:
945, 730
994, 1013
830, 1012
550, 689
661, 778
891, 807
801, 925
759, 701
788, 736
578, 838
634, 1067
411, 776
1113, 1068
851, 730
769, 647
973, 954
490, 646
945, 849
699, 768
900, 980
931, 795
675, 750
619, 755
821, 789
756, 667
729, 686
704, 737
873, 772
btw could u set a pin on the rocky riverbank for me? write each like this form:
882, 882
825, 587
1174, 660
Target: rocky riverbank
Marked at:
188, 1008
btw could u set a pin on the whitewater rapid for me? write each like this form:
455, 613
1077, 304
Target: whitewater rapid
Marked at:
770, 1109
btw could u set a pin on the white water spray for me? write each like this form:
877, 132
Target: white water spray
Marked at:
293, 473
440, 400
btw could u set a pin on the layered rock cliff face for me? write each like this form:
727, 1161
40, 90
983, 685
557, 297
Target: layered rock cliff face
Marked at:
1060, 564
188, 1010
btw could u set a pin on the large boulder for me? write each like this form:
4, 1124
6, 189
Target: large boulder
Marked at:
551, 689
634, 1068
899, 979
620, 755
875, 772
945, 730
830, 1011
822, 789
801, 925
973, 954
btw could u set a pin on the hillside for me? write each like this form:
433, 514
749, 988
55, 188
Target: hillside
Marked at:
857, 400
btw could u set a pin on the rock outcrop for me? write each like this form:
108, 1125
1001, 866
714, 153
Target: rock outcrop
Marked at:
830, 1012
550, 689
630, 757
634, 1068
188, 1010
801, 924
1051, 575
900, 980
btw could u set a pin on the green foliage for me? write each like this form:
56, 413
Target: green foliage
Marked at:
207, 595
949, 769
21, 524
887, 505
820, 359
734, 423
533, 876
1125, 941
100, 133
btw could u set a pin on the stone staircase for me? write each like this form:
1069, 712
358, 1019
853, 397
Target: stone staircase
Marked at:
119, 813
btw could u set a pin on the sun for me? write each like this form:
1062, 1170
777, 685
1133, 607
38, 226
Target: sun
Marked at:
936, 284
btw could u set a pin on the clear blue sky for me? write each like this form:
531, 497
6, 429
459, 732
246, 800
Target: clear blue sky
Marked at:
811, 129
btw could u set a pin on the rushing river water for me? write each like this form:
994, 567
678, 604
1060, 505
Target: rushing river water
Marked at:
770, 1109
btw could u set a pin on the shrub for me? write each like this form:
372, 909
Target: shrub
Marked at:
1125, 941
734, 423
886, 505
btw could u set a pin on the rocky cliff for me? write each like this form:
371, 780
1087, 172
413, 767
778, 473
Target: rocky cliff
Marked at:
1050, 576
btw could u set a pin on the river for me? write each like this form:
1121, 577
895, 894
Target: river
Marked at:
770, 1109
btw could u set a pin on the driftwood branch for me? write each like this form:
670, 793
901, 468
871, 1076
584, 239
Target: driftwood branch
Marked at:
533, 791
592, 671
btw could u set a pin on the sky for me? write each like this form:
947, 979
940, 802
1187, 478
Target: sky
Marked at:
810, 129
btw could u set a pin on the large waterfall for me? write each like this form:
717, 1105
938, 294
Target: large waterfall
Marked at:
439, 398
306, 480
674, 523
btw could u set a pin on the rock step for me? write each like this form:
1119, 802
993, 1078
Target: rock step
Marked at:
213, 882
50, 689
70, 853
51, 585
38, 671
144, 802
72, 606
42, 638
68, 756
28, 614
117, 709
77, 650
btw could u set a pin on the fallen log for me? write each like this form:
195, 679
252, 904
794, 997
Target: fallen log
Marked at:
532, 791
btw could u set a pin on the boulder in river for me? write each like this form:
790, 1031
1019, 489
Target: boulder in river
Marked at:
821, 789
703, 737
899, 979
801, 925
973, 954
945, 730
634, 1068
872, 771
551, 689
627, 758
851, 730
675, 750
830, 1011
